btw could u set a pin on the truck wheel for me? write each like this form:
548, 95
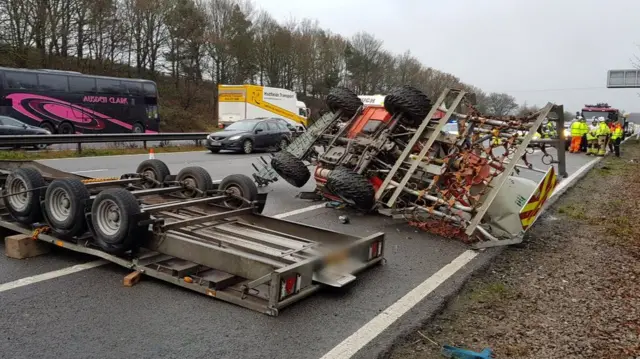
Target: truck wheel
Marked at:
64, 206
351, 187
113, 218
290, 168
344, 100
154, 170
240, 186
196, 177
410, 102
24, 189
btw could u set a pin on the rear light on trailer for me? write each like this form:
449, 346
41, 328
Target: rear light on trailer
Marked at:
289, 286
375, 250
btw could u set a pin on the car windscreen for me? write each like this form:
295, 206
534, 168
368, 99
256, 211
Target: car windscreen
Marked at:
242, 126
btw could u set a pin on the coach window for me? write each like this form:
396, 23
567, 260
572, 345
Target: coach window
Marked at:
110, 87
150, 90
21, 80
82, 84
53, 82
133, 88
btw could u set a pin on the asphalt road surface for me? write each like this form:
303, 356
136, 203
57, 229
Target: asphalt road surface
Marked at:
89, 314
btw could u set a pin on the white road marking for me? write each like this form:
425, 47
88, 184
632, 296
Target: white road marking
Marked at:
299, 211
382, 321
50, 275
90, 171
358, 340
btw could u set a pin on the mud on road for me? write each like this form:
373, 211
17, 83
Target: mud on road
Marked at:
572, 290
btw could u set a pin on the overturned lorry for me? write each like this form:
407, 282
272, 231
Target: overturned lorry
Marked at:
395, 159
185, 229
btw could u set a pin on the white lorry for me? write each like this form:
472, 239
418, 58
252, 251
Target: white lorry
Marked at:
238, 102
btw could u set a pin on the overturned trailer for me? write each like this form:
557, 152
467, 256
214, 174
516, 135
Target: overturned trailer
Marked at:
397, 160
184, 229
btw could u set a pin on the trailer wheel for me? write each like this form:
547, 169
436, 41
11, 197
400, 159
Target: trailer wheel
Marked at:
351, 187
410, 102
195, 177
240, 186
154, 170
23, 190
290, 168
343, 99
64, 206
113, 218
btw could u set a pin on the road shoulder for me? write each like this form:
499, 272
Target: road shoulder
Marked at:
570, 291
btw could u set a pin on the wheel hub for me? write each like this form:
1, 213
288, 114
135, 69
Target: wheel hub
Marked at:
20, 200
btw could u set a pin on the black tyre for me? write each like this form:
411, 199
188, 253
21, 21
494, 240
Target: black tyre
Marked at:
283, 144
247, 147
66, 128
155, 170
28, 186
216, 150
410, 102
137, 128
241, 186
352, 188
48, 126
290, 168
195, 177
114, 216
344, 100
64, 206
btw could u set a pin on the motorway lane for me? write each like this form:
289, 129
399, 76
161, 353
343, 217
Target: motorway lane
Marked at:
153, 319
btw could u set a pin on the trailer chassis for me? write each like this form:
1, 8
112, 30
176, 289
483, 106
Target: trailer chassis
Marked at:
203, 244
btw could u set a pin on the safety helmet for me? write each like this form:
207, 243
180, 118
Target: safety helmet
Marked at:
601, 118
580, 118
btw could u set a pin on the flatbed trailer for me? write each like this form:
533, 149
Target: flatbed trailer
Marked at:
208, 236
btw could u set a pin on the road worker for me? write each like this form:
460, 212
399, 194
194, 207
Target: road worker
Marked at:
592, 139
612, 127
495, 140
585, 129
576, 135
616, 138
602, 133
549, 130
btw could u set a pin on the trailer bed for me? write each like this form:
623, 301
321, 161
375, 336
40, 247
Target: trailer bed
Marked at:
232, 254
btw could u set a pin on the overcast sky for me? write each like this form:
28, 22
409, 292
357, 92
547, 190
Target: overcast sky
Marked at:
536, 50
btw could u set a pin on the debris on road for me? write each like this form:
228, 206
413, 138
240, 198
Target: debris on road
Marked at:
570, 291
459, 353
344, 219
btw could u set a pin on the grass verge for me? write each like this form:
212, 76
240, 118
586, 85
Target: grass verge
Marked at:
92, 152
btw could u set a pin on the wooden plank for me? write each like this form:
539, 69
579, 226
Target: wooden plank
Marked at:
20, 246
132, 279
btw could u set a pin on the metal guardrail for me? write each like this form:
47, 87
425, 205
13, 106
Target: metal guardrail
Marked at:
79, 139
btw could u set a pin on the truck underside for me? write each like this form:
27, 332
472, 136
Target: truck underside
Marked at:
397, 160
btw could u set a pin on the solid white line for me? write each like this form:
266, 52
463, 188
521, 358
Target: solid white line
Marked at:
299, 211
50, 275
382, 321
89, 171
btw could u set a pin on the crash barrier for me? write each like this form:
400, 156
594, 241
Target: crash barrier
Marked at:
79, 139
186, 230
398, 160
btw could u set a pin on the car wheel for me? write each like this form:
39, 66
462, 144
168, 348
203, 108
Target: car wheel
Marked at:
283, 144
247, 147
41, 147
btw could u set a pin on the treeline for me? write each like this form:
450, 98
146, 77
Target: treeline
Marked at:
189, 46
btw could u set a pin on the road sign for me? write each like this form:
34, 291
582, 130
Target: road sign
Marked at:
629, 78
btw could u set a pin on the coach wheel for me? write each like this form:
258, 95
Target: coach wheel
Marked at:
113, 218
155, 171
66, 128
48, 126
197, 181
137, 128
24, 188
64, 206
238, 186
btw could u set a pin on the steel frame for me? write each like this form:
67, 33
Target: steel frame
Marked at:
235, 255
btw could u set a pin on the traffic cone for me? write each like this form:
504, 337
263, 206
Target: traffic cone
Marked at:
152, 155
